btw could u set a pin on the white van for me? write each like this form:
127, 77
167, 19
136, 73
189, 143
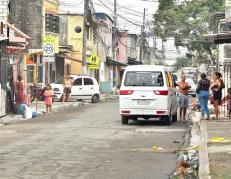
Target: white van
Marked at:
148, 91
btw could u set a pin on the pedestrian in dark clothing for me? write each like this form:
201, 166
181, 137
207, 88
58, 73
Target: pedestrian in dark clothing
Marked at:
203, 93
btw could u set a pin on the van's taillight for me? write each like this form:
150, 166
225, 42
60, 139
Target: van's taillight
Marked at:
126, 92
161, 92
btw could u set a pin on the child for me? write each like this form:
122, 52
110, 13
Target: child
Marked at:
228, 99
48, 99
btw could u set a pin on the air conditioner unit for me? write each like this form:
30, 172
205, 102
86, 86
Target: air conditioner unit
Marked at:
224, 53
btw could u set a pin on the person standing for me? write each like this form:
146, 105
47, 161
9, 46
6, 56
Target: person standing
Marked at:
217, 92
203, 92
48, 99
19, 91
67, 84
183, 97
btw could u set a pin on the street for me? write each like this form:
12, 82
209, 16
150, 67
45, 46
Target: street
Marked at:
88, 142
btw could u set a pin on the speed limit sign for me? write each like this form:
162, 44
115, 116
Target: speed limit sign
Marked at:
48, 45
48, 49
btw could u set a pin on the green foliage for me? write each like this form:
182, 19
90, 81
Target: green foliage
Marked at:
187, 22
182, 62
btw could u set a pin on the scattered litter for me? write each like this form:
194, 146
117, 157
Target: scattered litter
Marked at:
108, 161
155, 148
218, 140
187, 167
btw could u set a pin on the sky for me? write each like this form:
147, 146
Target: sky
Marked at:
128, 10
130, 17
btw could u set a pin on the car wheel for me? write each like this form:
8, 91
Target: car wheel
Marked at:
61, 99
174, 117
95, 98
124, 120
168, 119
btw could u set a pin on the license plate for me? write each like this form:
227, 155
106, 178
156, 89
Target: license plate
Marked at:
143, 102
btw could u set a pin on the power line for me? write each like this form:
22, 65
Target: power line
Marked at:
120, 15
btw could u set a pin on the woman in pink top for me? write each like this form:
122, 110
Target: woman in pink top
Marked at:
48, 99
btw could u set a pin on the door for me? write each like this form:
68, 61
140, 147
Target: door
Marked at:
77, 91
172, 92
88, 88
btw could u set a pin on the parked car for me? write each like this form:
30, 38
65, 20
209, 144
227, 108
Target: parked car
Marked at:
57, 87
148, 91
192, 90
84, 88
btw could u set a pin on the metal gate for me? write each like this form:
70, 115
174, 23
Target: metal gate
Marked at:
225, 69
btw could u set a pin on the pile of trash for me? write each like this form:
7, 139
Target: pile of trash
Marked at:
188, 165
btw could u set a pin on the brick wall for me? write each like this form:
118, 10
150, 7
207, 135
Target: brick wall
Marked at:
27, 16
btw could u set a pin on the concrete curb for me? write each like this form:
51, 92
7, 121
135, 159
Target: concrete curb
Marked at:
204, 172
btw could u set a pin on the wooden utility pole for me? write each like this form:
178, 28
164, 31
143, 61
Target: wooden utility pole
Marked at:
84, 55
142, 38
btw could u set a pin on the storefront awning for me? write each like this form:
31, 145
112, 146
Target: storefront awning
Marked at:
112, 62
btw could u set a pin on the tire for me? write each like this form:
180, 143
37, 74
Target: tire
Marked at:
168, 120
174, 118
124, 120
61, 99
135, 118
95, 98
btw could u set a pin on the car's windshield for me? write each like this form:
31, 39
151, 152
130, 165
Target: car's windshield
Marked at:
144, 79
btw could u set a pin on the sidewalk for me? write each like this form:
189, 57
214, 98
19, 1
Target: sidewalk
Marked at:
215, 149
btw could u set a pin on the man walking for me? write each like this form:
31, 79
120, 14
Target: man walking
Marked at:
183, 97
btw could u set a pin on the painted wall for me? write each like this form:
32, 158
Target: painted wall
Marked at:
122, 46
76, 40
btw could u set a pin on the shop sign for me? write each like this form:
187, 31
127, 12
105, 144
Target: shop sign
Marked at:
49, 45
94, 62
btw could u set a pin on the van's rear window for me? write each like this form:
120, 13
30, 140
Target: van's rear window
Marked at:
144, 79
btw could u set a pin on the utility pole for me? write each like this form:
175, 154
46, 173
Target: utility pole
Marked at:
142, 38
114, 30
115, 13
84, 55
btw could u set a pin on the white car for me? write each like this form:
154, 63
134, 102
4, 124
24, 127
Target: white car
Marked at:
84, 88
148, 91
192, 90
57, 87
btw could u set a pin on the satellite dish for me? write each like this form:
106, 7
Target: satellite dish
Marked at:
78, 29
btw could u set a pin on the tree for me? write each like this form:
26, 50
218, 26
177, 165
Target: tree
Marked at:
186, 22
182, 62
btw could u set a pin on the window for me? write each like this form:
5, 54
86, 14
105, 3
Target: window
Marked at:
88, 81
144, 79
78, 82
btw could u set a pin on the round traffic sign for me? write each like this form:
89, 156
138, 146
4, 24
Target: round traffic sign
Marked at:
49, 49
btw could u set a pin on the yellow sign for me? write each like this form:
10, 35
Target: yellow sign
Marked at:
94, 62
52, 40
